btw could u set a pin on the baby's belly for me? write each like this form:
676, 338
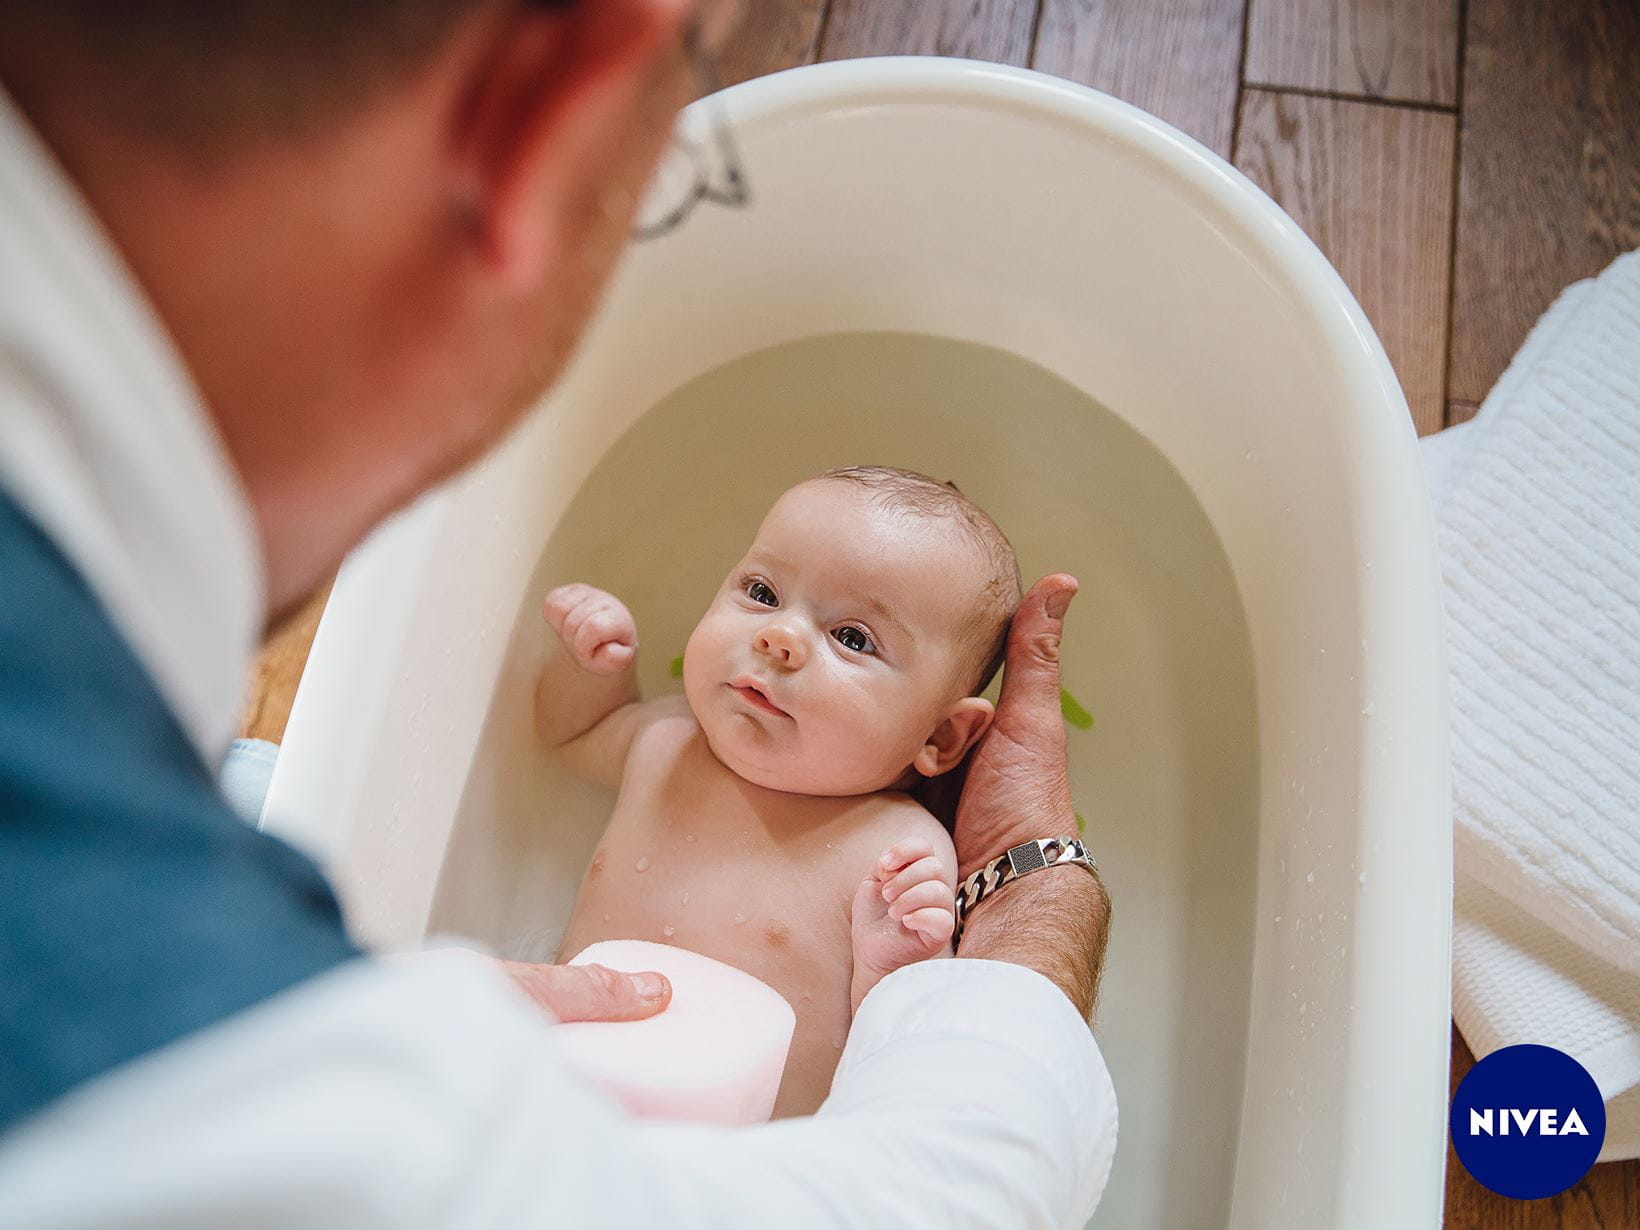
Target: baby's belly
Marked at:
782, 928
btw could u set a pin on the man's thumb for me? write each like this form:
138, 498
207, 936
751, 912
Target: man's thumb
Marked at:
1030, 680
592, 992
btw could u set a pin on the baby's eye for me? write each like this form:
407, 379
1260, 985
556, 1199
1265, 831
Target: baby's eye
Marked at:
853, 638
759, 591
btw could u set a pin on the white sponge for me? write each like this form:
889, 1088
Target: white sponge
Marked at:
715, 1055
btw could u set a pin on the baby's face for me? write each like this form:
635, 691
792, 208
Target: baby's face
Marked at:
827, 659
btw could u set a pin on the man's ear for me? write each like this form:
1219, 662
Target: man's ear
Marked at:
959, 730
555, 96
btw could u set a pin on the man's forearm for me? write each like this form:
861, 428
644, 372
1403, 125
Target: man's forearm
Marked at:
1056, 922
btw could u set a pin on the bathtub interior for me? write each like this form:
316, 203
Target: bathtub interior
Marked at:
1150, 378
1158, 653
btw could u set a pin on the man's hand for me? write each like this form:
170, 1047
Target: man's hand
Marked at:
1014, 786
1017, 789
591, 992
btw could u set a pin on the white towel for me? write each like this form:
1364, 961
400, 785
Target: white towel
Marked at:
1537, 504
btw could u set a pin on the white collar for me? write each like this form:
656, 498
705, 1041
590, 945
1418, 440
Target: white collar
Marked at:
105, 443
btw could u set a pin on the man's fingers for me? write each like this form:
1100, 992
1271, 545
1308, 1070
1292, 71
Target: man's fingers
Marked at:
1030, 679
592, 992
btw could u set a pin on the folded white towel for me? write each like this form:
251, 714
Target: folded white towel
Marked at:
1537, 504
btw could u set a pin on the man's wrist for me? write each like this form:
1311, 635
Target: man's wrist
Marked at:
1056, 922
999, 844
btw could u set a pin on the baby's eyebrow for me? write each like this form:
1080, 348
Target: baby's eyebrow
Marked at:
878, 606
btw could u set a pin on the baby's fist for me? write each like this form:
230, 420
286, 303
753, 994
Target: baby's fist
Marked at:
595, 628
905, 909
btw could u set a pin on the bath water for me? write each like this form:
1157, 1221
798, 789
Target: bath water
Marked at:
1156, 649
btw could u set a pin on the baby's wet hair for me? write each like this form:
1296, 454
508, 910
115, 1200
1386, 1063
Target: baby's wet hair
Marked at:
985, 635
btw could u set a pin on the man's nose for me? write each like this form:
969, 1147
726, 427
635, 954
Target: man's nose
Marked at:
781, 642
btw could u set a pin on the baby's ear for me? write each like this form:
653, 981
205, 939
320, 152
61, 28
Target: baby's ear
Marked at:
959, 730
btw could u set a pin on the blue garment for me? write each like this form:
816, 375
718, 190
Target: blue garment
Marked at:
135, 906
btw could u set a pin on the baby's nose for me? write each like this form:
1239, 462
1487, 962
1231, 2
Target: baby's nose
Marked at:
782, 644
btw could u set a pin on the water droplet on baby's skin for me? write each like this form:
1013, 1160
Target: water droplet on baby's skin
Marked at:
1369, 710
669, 931
690, 838
828, 845
740, 917
1310, 878
606, 917
1362, 877
685, 898
643, 863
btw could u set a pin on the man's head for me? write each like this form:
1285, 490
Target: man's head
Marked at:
843, 653
373, 228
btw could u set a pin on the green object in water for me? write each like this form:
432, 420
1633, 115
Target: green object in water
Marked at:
1074, 713
1081, 824
677, 667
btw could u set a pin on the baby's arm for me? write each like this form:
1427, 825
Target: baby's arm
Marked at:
586, 700
905, 909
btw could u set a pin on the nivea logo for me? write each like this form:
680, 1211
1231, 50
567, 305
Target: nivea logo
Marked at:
1528, 1121
1539, 1119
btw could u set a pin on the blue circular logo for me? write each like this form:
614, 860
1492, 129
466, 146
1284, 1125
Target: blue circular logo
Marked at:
1528, 1121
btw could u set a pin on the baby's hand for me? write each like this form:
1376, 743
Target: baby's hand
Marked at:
595, 628
904, 911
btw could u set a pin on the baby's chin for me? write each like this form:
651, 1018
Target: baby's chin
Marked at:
792, 775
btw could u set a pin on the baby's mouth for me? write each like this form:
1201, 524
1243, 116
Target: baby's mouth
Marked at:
752, 692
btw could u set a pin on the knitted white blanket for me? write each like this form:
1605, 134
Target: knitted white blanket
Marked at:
1537, 504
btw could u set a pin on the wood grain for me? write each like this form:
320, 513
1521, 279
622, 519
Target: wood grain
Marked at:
1394, 49
773, 35
1177, 59
995, 30
1460, 412
1372, 185
278, 670
1607, 1199
1549, 187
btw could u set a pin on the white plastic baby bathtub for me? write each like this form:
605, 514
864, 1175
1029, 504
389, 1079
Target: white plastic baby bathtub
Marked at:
1152, 379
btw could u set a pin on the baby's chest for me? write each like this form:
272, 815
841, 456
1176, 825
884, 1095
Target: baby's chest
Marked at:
694, 863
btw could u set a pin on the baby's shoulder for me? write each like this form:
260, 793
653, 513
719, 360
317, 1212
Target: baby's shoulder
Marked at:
665, 727
669, 717
892, 815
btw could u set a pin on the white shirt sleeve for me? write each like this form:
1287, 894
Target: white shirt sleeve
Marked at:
428, 1093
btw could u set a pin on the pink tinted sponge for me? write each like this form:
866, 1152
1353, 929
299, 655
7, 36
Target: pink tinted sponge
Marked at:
715, 1055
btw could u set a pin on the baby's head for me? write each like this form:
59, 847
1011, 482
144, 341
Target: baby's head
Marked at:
844, 652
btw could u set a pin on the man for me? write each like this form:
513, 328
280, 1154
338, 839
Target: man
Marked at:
266, 272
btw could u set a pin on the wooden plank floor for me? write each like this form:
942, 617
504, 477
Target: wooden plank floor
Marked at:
1372, 186
1460, 161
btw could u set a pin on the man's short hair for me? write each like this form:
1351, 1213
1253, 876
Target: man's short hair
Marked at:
985, 633
207, 75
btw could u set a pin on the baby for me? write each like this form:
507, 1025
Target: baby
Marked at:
762, 817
